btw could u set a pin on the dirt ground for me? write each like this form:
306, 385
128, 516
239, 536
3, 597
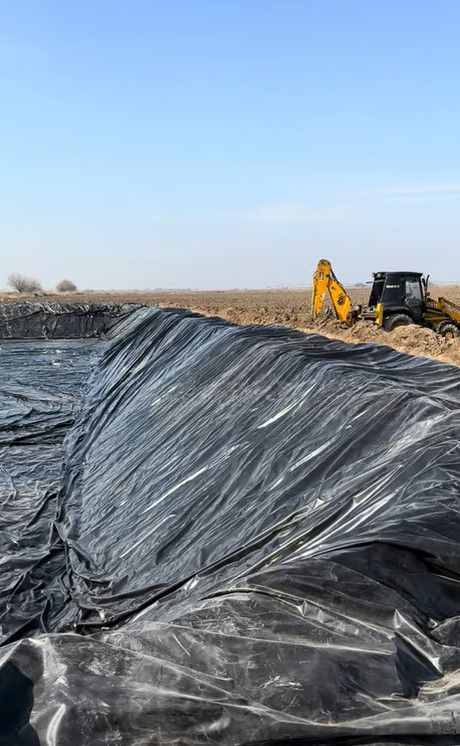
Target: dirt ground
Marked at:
290, 307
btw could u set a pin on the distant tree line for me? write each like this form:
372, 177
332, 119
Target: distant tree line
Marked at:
25, 285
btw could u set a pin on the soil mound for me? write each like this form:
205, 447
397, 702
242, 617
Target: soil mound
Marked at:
412, 339
452, 354
417, 340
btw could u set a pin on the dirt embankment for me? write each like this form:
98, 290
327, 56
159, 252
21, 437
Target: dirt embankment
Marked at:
413, 340
292, 308
288, 306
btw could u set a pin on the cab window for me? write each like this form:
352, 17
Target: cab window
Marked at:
413, 291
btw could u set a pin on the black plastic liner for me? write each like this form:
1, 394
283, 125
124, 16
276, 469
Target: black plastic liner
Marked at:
221, 534
27, 320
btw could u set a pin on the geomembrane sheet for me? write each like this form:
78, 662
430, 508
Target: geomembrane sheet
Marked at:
215, 534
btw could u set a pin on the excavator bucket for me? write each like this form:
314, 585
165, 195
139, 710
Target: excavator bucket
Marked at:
320, 285
324, 281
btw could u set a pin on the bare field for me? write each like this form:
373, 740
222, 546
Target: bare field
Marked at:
290, 307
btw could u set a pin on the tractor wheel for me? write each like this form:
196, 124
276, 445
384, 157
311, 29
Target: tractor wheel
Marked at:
398, 319
448, 330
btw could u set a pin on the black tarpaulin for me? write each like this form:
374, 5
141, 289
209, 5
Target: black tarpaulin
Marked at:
28, 320
222, 534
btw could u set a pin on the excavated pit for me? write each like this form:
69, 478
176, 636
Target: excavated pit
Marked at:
223, 534
28, 320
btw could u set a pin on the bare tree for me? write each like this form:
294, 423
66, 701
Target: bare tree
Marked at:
24, 284
66, 286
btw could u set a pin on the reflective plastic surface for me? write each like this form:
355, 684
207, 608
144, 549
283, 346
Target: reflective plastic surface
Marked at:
221, 534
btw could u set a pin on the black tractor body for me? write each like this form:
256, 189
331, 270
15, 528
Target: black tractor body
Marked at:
399, 296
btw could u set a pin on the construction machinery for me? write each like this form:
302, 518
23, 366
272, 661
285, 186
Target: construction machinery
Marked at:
396, 299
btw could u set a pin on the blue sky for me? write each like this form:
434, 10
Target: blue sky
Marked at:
192, 143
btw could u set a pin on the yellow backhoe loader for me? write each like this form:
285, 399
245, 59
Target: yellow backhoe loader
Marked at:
396, 299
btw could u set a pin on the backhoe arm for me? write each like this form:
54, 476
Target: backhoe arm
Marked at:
324, 281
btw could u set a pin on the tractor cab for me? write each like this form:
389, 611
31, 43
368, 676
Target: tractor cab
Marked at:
397, 298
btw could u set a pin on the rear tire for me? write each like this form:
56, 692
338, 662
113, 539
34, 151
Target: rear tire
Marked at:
448, 330
398, 319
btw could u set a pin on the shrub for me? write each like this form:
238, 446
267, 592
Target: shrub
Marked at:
24, 284
66, 286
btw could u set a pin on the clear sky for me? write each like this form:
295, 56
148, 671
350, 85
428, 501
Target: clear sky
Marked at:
228, 143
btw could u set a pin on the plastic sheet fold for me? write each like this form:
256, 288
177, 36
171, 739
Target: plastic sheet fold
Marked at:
229, 535
29, 320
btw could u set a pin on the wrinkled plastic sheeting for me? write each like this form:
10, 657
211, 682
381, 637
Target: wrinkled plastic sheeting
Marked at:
42, 385
255, 538
28, 320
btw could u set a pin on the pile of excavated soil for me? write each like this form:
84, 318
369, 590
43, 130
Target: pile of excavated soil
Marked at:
412, 339
424, 341
362, 331
452, 354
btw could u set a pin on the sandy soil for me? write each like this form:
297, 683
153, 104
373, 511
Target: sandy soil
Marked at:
290, 307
